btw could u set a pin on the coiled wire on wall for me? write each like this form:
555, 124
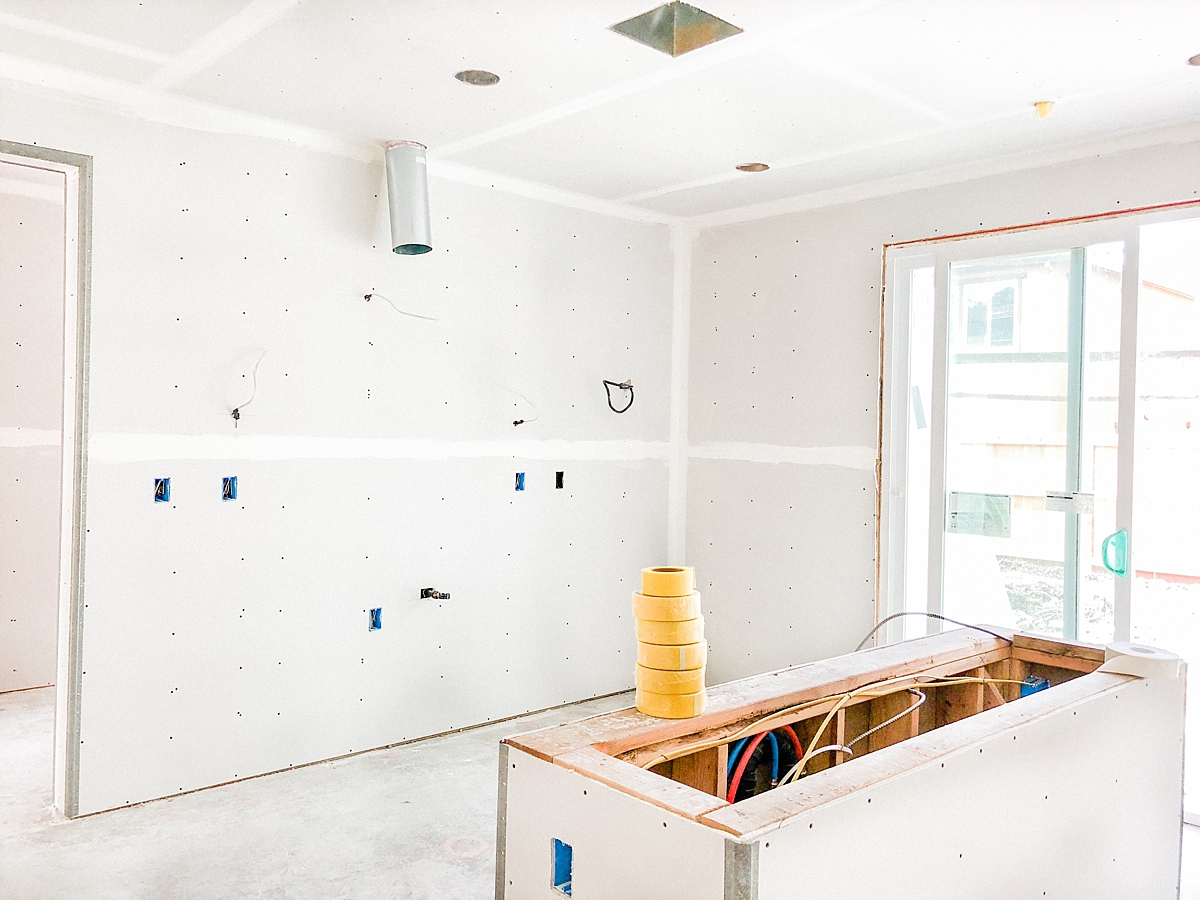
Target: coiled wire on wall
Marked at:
623, 385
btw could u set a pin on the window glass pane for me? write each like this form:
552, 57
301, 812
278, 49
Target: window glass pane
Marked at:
1006, 418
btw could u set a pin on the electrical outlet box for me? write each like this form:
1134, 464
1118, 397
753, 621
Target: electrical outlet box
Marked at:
162, 490
376, 621
520, 481
229, 488
561, 862
558, 481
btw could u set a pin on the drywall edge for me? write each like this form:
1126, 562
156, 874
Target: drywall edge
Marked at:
70, 655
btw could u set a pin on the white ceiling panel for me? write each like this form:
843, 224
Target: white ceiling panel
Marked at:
1080, 123
166, 26
830, 93
95, 60
762, 108
965, 58
385, 70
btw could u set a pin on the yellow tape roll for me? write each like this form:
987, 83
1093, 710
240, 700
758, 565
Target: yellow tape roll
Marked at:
677, 658
662, 681
668, 581
670, 706
667, 609
651, 631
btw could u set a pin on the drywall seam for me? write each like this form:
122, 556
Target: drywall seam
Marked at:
220, 41
860, 458
945, 127
117, 448
715, 55
998, 165
70, 35
29, 437
683, 240
114, 96
442, 168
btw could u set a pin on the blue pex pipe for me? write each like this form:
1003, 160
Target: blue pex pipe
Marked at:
733, 753
737, 748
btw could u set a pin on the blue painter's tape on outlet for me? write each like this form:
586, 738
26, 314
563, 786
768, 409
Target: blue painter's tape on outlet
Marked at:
229, 488
520, 481
162, 490
376, 619
562, 860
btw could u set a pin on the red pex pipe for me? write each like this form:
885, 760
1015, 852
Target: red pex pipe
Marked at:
741, 766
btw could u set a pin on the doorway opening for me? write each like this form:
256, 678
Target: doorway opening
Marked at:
45, 228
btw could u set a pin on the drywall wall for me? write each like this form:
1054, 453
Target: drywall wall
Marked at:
32, 269
785, 385
227, 638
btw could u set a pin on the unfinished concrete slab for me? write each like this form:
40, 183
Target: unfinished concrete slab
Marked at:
414, 821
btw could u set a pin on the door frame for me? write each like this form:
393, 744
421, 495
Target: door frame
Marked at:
76, 359
900, 259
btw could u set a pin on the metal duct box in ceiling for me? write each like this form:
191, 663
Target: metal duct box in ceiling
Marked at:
676, 28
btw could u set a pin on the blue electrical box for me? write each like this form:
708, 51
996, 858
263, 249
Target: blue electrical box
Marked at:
561, 876
376, 621
1033, 684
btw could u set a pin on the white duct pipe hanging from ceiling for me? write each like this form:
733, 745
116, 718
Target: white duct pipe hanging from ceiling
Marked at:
408, 197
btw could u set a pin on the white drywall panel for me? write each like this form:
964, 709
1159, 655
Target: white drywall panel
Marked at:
32, 236
209, 249
1081, 803
760, 537
623, 847
785, 359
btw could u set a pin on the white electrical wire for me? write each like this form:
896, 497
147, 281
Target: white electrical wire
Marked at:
237, 410
532, 405
402, 312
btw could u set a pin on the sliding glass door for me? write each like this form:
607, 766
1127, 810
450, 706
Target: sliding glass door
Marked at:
1042, 435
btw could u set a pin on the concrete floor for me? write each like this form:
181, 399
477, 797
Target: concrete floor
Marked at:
416, 821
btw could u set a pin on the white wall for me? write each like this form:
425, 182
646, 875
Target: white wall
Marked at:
32, 229
785, 365
222, 640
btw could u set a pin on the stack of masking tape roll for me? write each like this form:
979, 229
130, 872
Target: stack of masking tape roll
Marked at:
672, 651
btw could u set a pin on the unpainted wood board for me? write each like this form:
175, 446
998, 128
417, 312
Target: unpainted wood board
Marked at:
698, 770
1058, 647
641, 754
1058, 661
625, 730
681, 799
884, 708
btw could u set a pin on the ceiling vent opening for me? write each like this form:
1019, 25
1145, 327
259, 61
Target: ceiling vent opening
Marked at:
676, 28
477, 77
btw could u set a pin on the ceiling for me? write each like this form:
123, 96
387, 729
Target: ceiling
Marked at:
831, 94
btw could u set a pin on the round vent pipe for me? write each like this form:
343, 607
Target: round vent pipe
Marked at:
408, 197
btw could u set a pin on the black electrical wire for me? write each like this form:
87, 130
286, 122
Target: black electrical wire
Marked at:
623, 385
930, 615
